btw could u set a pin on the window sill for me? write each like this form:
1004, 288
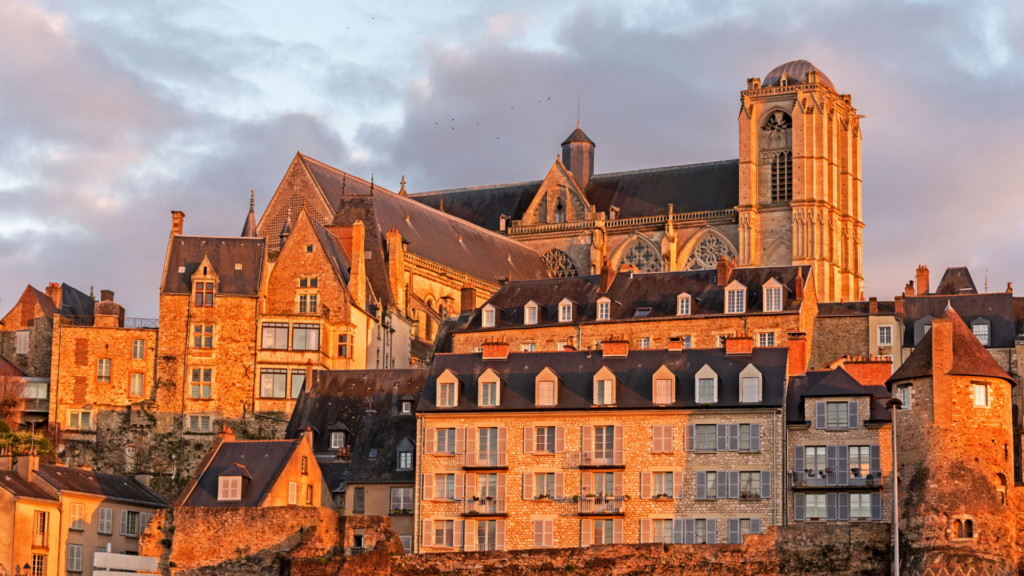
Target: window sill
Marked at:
193, 398
80, 431
77, 529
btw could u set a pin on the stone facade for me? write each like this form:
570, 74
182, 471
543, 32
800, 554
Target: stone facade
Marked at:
28, 317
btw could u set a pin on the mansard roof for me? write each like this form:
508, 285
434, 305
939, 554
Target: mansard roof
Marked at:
832, 383
956, 281
689, 188
997, 308
383, 434
187, 253
634, 373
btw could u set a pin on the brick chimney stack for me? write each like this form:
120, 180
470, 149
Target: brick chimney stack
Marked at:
53, 291
797, 354
5, 459
396, 267
873, 305
908, 290
898, 303
27, 465
357, 277
495, 350
741, 344
177, 222
226, 434
467, 299
106, 295
725, 267
922, 281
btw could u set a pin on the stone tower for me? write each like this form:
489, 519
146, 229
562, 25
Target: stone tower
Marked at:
800, 178
954, 440
578, 156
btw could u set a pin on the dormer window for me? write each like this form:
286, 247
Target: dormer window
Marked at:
405, 460
447, 390
337, 440
735, 298
406, 407
982, 329
546, 388
750, 384
604, 309
664, 391
229, 488
531, 313
490, 315
565, 311
204, 294
772, 296
683, 303
490, 388
604, 387
706, 386
642, 312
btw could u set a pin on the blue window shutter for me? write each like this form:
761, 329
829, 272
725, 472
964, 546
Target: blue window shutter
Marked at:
798, 507
819, 415
701, 489
734, 484
876, 460
766, 484
712, 535
830, 506
876, 506
843, 465
755, 437
734, 437
722, 440
798, 461
723, 484
734, 531
853, 414
844, 505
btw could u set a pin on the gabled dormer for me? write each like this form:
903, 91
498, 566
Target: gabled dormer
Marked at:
705, 386
546, 388
684, 304
559, 199
232, 482
489, 316
663, 386
773, 296
489, 386
204, 284
448, 387
751, 385
605, 384
567, 310
735, 298
406, 449
531, 313
604, 308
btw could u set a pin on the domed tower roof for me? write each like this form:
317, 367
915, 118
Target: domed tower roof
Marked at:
578, 136
797, 72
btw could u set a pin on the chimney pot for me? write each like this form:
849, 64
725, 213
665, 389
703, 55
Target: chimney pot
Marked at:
106, 295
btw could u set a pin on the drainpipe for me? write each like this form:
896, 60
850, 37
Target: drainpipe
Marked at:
184, 384
775, 471
417, 538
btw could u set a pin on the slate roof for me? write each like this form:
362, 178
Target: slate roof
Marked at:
109, 486
885, 308
17, 485
956, 281
343, 396
73, 302
969, 357
224, 253
334, 474
578, 135
263, 459
832, 383
384, 435
9, 369
997, 308
335, 253
797, 70
689, 188
657, 291
634, 373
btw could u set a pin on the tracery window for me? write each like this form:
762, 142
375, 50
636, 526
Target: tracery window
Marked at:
705, 254
782, 177
560, 264
559, 211
643, 257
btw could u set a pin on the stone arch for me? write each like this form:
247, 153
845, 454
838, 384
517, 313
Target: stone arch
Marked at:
701, 252
639, 251
559, 263
776, 252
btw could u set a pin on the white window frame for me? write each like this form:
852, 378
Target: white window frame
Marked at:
604, 309
706, 372
905, 392
531, 313
447, 400
547, 375
751, 372
882, 329
489, 377
981, 393
766, 339
106, 521
337, 440
137, 378
663, 374
77, 517
74, 557
772, 296
76, 416
604, 387
643, 343
565, 310
229, 488
735, 287
988, 332
684, 305
489, 316
405, 455
293, 493
21, 338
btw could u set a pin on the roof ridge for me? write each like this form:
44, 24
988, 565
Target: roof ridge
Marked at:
467, 223
259, 238
340, 171
663, 168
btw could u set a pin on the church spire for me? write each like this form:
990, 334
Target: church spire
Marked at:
249, 230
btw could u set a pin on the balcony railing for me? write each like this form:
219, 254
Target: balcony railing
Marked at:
484, 506
829, 479
602, 506
141, 323
486, 459
602, 458
37, 405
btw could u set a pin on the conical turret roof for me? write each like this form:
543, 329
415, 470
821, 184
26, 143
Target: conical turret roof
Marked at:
249, 229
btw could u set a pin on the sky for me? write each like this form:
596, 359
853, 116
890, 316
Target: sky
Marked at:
115, 112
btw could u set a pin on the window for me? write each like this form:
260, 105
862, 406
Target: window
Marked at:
21, 342
307, 303
546, 393
293, 494
138, 349
643, 343
359, 499
406, 407
683, 306
309, 495
487, 443
711, 485
488, 319
964, 529
204, 294
489, 393
405, 460
814, 459
707, 437
275, 336
445, 440
528, 347
373, 454
981, 329
129, 459
663, 391
860, 506
604, 391
103, 370
736, 301
77, 516
687, 341
401, 499
604, 444
273, 382
137, 385
745, 437
199, 423
309, 248
446, 394
662, 485
766, 339
750, 484
604, 309
773, 299
700, 531
337, 440
74, 557
706, 390
306, 337
444, 533
202, 336
860, 461
545, 439
342, 345
130, 521
106, 525
662, 531
604, 532
642, 312
229, 488
980, 394
298, 382
444, 487
202, 380
80, 420
837, 415
486, 530
721, 340
904, 394
544, 485
815, 507
531, 314
885, 335
304, 465
39, 529
308, 282
565, 312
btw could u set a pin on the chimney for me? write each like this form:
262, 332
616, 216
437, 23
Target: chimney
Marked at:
357, 276
908, 290
396, 267
675, 344
177, 222
307, 435
1009, 287
106, 295
53, 291
922, 281
309, 375
226, 434
143, 479
797, 364
5, 460
898, 303
724, 270
798, 293
495, 350
27, 465
615, 347
607, 277
739, 345
468, 299
869, 370
873, 305
87, 467
942, 363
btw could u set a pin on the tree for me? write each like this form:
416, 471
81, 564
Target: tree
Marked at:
12, 394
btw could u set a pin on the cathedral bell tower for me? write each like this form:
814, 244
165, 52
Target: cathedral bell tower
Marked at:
800, 179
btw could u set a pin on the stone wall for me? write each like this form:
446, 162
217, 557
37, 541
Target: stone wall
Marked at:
835, 336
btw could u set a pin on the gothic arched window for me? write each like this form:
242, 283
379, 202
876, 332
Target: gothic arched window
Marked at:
559, 211
642, 257
560, 264
782, 177
706, 253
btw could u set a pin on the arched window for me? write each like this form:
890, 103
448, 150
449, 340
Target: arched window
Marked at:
642, 257
705, 254
958, 528
559, 211
782, 177
968, 529
560, 264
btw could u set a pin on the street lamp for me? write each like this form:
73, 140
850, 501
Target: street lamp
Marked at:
894, 404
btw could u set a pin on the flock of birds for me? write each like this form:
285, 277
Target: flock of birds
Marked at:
541, 101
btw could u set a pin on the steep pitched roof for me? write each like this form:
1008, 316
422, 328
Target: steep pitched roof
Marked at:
832, 383
997, 308
956, 281
335, 474
187, 253
383, 434
17, 485
969, 357
577, 136
110, 486
263, 459
249, 229
335, 253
